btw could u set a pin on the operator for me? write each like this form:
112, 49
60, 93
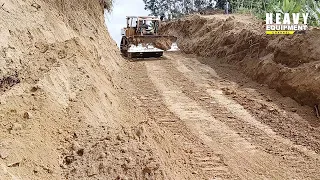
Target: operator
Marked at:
139, 26
143, 27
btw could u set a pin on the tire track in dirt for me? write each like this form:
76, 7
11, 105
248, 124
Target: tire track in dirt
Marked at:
192, 158
232, 106
241, 156
299, 157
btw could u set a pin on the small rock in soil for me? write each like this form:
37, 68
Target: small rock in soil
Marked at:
102, 155
16, 126
14, 164
3, 154
294, 110
27, 115
92, 171
76, 146
35, 5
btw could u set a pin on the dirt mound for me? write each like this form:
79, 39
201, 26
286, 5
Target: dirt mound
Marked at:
164, 43
289, 64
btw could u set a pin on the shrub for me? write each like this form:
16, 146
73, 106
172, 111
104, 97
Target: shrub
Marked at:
107, 4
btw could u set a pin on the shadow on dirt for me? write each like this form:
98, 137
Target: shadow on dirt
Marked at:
8, 82
146, 59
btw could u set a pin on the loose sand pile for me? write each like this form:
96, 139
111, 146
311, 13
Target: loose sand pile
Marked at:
289, 64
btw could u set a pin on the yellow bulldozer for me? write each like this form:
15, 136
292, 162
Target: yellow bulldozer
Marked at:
141, 39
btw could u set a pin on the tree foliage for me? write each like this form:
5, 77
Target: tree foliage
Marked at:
176, 8
261, 7
107, 4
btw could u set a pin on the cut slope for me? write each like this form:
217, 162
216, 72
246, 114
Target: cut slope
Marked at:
289, 64
51, 58
63, 110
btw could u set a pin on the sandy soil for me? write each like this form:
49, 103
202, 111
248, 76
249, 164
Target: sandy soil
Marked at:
63, 111
72, 108
222, 124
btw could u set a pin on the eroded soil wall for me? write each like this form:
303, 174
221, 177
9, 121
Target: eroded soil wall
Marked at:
288, 63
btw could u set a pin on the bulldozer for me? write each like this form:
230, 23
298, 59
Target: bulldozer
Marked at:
141, 39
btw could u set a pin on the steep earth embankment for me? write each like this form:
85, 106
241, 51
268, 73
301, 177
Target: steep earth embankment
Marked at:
63, 110
289, 64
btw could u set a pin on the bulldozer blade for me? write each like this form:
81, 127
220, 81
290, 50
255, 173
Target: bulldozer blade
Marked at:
152, 44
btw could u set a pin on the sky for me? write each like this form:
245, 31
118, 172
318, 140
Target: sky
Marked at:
116, 20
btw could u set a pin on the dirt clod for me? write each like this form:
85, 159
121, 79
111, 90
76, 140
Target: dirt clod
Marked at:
35, 5
14, 164
69, 159
27, 115
16, 126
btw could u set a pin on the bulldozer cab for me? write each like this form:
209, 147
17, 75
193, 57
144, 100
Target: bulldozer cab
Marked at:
140, 38
142, 25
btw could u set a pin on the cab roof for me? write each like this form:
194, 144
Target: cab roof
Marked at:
144, 17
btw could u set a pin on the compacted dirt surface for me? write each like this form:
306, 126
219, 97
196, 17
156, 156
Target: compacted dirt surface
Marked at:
71, 107
223, 125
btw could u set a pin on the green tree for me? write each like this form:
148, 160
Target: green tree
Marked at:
153, 6
259, 8
220, 4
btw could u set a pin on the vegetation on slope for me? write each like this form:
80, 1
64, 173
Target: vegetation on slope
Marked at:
261, 7
107, 4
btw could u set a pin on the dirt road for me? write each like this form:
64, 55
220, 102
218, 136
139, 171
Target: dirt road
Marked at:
223, 125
